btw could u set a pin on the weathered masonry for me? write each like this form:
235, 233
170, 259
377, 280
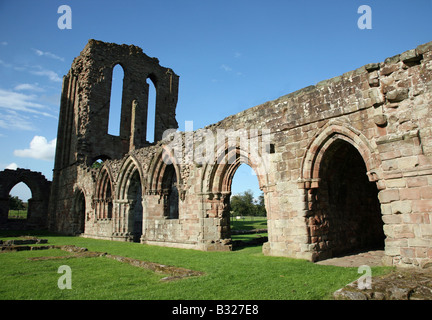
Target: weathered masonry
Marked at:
344, 165
37, 205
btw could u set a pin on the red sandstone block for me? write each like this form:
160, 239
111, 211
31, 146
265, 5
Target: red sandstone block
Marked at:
422, 206
388, 195
417, 181
426, 192
288, 155
390, 155
416, 218
421, 252
410, 194
408, 252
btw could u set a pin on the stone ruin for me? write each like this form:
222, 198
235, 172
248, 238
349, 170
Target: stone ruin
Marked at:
37, 211
344, 165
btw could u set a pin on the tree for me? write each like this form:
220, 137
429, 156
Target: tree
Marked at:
243, 204
16, 203
260, 206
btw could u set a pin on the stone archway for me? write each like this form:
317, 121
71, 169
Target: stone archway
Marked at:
103, 201
217, 181
340, 177
346, 215
79, 211
37, 216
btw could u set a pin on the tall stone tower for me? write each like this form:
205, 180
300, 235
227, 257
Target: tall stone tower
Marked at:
83, 135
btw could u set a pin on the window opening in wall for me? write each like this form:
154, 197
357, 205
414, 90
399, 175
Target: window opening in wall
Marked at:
18, 201
80, 209
97, 163
171, 195
115, 101
135, 207
151, 111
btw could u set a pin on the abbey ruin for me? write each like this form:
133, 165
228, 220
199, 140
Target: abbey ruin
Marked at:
344, 165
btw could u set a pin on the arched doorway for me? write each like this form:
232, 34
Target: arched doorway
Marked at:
218, 181
79, 212
170, 193
104, 198
37, 205
135, 214
19, 197
346, 214
248, 225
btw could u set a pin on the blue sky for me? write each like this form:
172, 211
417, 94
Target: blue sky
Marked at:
230, 56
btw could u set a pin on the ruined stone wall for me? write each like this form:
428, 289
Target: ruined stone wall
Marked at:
373, 123
37, 205
83, 135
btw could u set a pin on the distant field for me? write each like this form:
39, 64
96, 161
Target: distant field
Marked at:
249, 223
17, 214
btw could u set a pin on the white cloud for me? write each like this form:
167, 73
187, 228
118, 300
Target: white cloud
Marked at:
226, 68
36, 70
40, 148
4, 43
39, 71
7, 65
12, 166
18, 110
13, 120
47, 54
28, 87
15, 101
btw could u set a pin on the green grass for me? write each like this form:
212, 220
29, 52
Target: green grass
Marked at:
249, 223
248, 237
17, 214
245, 274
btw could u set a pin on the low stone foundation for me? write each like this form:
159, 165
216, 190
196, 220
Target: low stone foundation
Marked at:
402, 284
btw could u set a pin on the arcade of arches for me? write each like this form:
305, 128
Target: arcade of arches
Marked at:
344, 165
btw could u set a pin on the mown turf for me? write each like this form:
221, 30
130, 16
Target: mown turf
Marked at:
244, 274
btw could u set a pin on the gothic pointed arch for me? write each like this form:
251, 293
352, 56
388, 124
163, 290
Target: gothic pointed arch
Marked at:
340, 175
103, 201
129, 167
37, 204
164, 180
324, 138
158, 166
217, 176
130, 200
79, 210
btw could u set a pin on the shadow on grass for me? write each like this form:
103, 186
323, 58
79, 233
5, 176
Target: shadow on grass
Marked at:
31, 233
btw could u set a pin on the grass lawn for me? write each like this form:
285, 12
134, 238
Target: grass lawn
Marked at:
17, 214
244, 274
249, 223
